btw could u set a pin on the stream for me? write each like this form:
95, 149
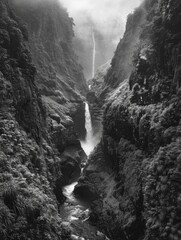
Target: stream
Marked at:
74, 213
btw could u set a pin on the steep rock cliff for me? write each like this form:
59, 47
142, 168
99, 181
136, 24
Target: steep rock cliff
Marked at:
37, 137
134, 174
59, 76
121, 64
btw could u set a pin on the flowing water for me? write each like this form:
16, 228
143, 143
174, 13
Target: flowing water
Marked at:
90, 140
74, 213
93, 53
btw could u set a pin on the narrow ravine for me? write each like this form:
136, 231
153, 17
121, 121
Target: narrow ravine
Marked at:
75, 214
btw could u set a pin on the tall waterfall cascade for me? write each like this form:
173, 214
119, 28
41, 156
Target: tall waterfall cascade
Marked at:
90, 141
93, 54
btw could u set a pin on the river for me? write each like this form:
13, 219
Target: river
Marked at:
74, 213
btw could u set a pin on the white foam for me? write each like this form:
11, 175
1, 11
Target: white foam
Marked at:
90, 140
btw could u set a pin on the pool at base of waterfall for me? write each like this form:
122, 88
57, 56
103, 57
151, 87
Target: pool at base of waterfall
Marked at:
75, 216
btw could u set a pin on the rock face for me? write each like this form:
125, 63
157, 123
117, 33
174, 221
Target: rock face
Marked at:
59, 76
121, 65
50, 36
39, 98
136, 168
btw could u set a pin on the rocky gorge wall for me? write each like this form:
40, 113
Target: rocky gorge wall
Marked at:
38, 103
121, 64
133, 176
59, 76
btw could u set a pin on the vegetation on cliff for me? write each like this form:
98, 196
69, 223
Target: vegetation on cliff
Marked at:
59, 76
37, 136
136, 168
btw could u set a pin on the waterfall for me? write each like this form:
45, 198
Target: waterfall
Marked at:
74, 211
90, 141
93, 53
88, 123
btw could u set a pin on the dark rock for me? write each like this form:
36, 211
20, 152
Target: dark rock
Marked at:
58, 191
55, 117
91, 97
79, 121
58, 138
70, 169
86, 192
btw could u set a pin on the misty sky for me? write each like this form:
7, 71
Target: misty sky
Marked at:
109, 16
107, 19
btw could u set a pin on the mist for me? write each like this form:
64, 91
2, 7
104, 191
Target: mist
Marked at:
107, 19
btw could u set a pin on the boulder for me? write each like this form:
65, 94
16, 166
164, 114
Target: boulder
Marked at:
70, 169
86, 192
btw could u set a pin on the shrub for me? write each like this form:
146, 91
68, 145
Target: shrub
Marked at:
9, 195
31, 210
6, 219
4, 38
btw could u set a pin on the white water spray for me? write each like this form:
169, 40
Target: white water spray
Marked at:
90, 141
88, 123
93, 53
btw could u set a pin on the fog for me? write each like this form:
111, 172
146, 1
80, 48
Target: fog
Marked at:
107, 18
106, 15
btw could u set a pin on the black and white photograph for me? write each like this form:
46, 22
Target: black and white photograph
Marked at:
90, 119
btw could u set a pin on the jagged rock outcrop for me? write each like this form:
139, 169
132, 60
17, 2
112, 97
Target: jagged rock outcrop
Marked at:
38, 142
136, 167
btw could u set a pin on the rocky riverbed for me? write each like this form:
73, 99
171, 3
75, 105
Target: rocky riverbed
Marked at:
75, 216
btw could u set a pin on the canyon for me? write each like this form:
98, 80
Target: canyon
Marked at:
97, 159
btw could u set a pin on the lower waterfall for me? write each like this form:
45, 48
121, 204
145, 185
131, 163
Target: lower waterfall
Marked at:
75, 214
90, 141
